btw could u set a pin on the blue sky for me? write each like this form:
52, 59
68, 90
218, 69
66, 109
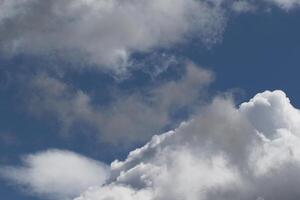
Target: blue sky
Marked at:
93, 94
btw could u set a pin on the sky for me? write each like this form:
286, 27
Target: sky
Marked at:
149, 99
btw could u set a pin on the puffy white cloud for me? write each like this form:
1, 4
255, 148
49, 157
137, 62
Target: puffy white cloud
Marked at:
104, 32
56, 173
224, 152
272, 111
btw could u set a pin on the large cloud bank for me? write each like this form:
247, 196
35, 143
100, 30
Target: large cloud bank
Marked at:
250, 153
106, 32
223, 153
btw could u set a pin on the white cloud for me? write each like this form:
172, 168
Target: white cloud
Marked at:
104, 32
222, 153
262, 114
57, 174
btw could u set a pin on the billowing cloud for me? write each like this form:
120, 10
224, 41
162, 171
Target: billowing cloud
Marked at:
104, 32
56, 174
128, 117
251, 152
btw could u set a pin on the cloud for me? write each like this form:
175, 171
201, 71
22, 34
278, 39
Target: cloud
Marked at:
224, 152
261, 113
57, 174
104, 33
128, 117
243, 6
285, 4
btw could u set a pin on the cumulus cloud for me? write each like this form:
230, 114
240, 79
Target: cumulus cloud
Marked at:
105, 32
128, 117
224, 152
56, 174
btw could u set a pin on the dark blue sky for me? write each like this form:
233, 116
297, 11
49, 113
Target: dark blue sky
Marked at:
259, 51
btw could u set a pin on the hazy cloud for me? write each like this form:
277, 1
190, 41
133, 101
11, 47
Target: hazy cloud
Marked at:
243, 6
285, 4
128, 117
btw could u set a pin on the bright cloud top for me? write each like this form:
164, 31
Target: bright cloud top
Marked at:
59, 174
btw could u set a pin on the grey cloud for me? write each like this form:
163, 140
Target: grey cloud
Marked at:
131, 117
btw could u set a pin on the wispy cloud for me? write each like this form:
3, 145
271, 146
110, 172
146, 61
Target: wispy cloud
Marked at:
128, 117
285, 4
